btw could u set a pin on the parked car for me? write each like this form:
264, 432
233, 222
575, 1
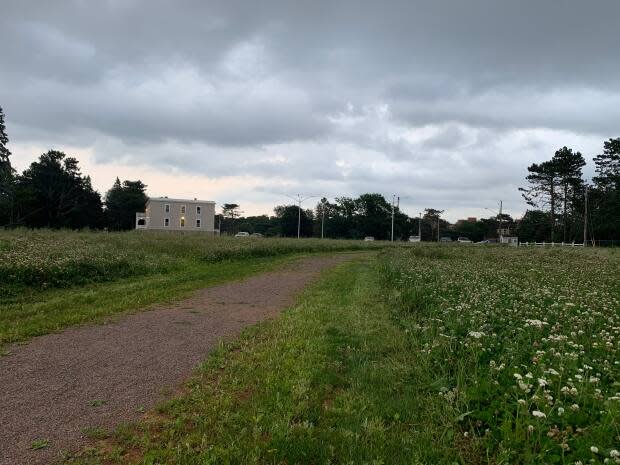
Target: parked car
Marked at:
242, 234
257, 235
463, 240
445, 239
414, 239
369, 239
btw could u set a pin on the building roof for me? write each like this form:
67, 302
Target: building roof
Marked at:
166, 199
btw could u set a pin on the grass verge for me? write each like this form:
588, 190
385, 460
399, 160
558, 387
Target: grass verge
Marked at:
34, 313
333, 380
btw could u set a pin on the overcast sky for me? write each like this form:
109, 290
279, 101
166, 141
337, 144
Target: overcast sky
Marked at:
443, 102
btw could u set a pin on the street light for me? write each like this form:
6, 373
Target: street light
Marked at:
299, 199
499, 218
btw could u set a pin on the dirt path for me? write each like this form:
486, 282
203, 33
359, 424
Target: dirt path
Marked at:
100, 376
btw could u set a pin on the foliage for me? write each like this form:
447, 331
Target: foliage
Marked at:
122, 202
7, 176
290, 217
53, 193
523, 344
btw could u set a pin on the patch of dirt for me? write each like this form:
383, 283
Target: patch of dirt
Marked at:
100, 376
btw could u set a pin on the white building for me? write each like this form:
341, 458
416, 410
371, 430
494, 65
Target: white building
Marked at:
166, 214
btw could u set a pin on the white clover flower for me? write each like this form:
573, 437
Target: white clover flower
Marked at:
594, 449
530, 428
539, 414
574, 407
476, 334
560, 411
542, 382
518, 376
614, 454
521, 402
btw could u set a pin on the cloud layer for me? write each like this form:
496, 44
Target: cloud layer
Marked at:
444, 102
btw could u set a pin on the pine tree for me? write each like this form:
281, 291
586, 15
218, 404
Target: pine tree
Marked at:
7, 178
568, 167
543, 190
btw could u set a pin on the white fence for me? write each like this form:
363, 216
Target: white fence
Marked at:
552, 244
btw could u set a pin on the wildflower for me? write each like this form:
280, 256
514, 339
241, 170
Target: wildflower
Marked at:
574, 407
476, 334
560, 411
530, 428
594, 449
522, 401
539, 414
614, 454
542, 382
518, 376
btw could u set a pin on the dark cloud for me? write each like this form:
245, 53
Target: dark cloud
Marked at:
352, 94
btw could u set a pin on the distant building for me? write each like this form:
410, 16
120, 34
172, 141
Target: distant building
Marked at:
472, 219
162, 213
510, 240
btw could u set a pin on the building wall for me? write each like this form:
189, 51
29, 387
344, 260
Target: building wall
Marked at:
156, 214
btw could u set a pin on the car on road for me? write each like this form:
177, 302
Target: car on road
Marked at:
414, 239
257, 235
463, 240
369, 239
242, 234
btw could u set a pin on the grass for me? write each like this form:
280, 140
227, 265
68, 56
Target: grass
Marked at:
433, 355
50, 280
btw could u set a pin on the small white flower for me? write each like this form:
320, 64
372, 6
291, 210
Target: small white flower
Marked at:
522, 402
614, 454
518, 376
574, 407
560, 411
476, 334
539, 414
530, 428
594, 449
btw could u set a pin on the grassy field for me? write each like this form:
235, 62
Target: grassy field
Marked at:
53, 279
428, 355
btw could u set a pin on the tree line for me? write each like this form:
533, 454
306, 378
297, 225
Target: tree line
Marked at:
566, 208
53, 193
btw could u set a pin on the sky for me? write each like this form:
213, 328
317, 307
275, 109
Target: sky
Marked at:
444, 103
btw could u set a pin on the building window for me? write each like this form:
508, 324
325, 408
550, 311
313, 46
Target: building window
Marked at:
198, 210
166, 222
198, 223
182, 221
183, 209
167, 208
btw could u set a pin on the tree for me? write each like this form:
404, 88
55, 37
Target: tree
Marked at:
230, 211
122, 202
568, 167
432, 220
606, 193
543, 190
288, 216
53, 193
534, 226
7, 177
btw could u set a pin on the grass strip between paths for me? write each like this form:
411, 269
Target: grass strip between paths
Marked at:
331, 380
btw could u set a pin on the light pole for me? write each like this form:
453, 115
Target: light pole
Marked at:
499, 219
420, 227
299, 199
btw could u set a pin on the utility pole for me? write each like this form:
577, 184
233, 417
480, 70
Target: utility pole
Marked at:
299, 199
585, 219
437, 228
392, 236
500, 221
322, 220
420, 227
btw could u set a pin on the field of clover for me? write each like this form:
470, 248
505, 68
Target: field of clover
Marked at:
524, 345
44, 259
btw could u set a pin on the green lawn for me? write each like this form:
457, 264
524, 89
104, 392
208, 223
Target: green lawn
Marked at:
50, 280
432, 355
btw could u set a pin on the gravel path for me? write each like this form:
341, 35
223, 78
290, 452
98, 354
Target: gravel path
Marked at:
102, 375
